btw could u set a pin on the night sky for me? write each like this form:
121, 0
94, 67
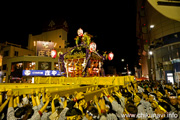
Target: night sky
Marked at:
112, 24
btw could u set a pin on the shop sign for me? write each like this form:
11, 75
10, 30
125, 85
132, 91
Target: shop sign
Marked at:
41, 73
44, 65
44, 48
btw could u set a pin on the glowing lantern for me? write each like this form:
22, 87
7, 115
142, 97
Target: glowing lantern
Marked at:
70, 69
92, 47
110, 56
53, 53
80, 32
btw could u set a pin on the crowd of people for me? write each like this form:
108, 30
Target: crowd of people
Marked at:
133, 101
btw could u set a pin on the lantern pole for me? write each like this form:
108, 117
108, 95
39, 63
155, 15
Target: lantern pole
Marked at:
127, 70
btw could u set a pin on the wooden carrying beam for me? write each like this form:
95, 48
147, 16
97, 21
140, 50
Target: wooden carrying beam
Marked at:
119, 80
50, 89
90, 96
61, 90
27, 85
27, 89
71, 91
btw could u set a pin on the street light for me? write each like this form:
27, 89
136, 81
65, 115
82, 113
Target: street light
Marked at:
150, 52
125, 68
151, 26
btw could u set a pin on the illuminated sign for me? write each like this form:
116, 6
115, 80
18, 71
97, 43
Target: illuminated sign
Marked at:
41, 73
44, 48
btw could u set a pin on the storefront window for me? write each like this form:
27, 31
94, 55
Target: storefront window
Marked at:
28, 65
16, 71
44, 66
56, 66
16, 66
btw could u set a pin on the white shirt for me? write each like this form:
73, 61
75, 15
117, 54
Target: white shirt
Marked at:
62, 115
10, 114
142, 114
45, 115
25, 101
118, 108
140, 89
35, 116
111, 116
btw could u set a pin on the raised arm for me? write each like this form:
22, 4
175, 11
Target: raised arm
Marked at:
43, 95
111, 99
4, 105
1, 97
33, 98
53, 105
48, 97
37, 98
10, 112
97, 105
10, 96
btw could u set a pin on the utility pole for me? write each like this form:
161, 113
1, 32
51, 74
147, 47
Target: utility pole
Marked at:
150, 55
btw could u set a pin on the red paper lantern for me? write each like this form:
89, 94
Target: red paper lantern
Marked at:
80, 32
53, 53
110, 56
92, 47
70, 69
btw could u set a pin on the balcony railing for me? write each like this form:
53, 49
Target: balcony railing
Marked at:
169, 2
175, 54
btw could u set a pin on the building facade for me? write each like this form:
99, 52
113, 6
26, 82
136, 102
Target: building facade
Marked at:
9, 51
54, 31
37, 56
158, 35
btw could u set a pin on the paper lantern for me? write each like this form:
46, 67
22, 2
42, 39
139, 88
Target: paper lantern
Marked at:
53, 53
70, 69
92, 47
110, 56
80, 32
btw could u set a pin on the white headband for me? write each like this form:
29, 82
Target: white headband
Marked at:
173, 97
